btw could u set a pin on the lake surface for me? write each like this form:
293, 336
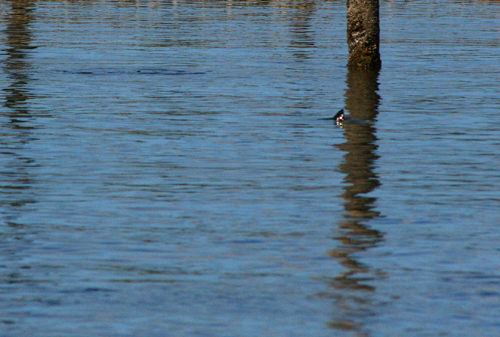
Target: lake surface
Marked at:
164, 171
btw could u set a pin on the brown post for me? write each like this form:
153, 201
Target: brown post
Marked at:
363, 33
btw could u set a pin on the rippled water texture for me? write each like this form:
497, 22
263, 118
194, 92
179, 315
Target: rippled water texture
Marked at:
164, 170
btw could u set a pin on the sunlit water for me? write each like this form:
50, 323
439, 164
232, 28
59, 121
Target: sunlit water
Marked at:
164, 171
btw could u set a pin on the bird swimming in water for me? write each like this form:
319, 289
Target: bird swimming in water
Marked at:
338, 118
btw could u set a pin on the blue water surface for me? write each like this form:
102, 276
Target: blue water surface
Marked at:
164, 170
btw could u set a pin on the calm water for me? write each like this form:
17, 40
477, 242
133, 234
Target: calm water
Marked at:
164, 172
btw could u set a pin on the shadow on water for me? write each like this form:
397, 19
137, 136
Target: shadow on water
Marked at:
353, 294
17, 133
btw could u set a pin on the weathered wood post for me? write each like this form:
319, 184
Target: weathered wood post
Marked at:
363, 33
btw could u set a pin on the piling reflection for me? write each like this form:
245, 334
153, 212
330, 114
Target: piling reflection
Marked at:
301, 32
16, 180
353, 294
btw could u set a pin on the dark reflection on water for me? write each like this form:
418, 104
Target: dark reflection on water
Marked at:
353, 299
17, 68
301, 41
16, 130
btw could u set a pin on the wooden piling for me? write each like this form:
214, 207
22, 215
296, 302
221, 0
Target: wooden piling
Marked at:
363, 34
